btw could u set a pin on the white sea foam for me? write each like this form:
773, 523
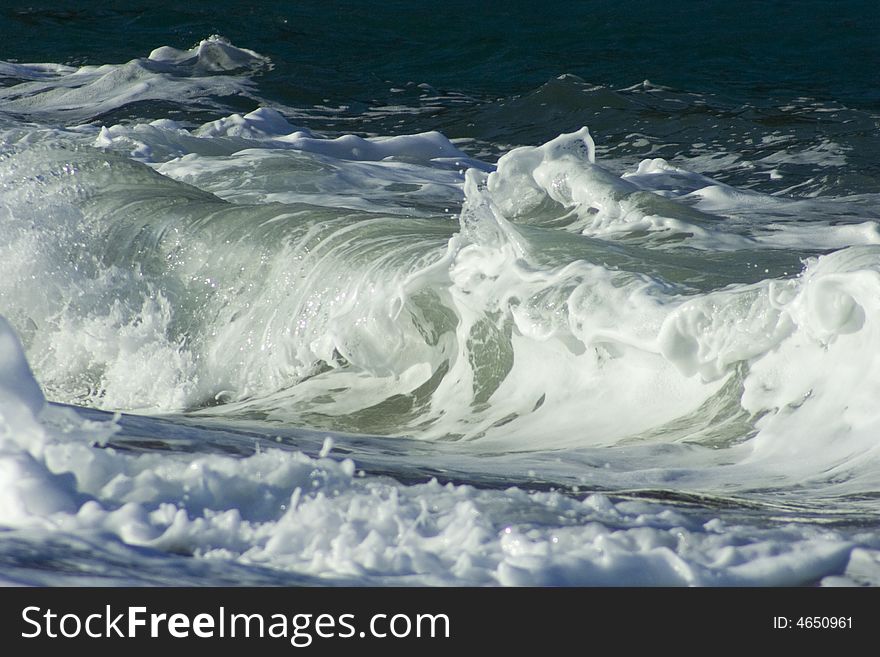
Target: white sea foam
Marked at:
560, 183
288, 512
283, 163
71, 95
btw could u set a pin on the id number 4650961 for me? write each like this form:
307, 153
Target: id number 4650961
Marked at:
813, 623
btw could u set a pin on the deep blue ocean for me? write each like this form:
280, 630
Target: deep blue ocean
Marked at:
748, 51
560, 293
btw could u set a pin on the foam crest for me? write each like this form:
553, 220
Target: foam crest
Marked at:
809, 378
710, 334
260, 125
817, 386
213, 69
417, 174
212, 55
292, 514
560, 185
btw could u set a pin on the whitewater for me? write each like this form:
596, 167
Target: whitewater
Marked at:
247, 342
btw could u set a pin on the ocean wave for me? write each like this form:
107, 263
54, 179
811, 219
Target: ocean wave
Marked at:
165, 297
658, 329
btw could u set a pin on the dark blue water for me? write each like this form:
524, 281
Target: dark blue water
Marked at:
751, 50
